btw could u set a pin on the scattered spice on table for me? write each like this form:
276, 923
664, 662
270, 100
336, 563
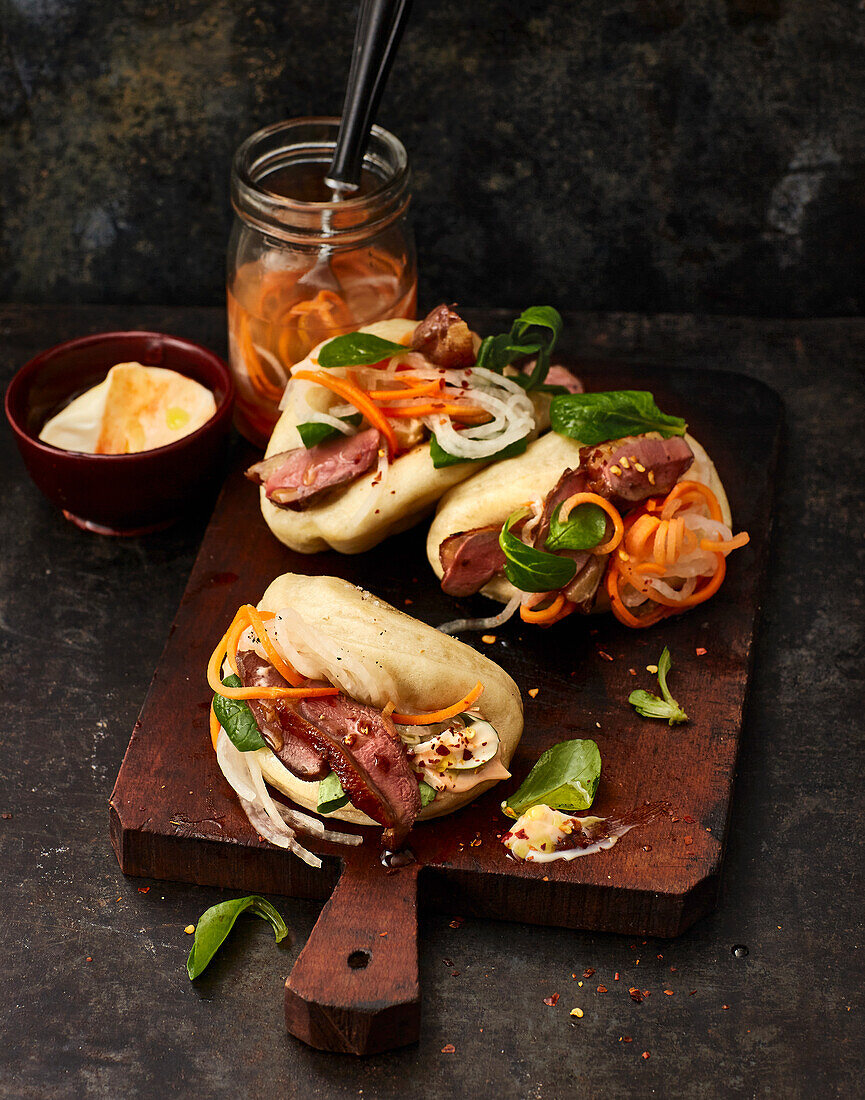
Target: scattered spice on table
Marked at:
456, 922
552, 1000
602, 989
534, 692
700, 651
606, 656
143, 889
488, 638
646, 1055
669, 992
588, 972
449, 1048
689, 840
636, 995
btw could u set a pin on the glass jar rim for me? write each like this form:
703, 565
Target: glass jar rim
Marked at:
312, 139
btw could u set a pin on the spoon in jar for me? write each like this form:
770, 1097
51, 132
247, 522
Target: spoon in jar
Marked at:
380, 24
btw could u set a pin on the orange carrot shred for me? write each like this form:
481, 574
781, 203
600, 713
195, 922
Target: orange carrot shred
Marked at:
440, 715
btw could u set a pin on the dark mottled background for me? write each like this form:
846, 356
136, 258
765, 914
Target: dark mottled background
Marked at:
652, 155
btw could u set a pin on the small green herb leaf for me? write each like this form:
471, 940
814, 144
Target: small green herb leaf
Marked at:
585, 528
529, 569
440, 457
215, 924
427, 793
237, 719
331, 796
652, 706
595, 418
312, 432
357, 349
565, 778
498, 352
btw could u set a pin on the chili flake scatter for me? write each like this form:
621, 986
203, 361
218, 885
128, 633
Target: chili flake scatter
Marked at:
588, 972
669, 992
552, 1000
602, 989
488, 639
646, 1055
616, 976
688, 819
603, 653
448, 962
636, 995
6, 817
632, 671
449, 1049
89, 959
382, 933
689, 840
700, 651
626, 1039
189, 929
456, 922
143, 889
725, 1006
534, 692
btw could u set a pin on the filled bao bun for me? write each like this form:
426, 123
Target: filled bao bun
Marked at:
427, 669
358, 516
493, 494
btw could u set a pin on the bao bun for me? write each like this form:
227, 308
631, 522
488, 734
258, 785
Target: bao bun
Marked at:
357, 517
430, 670
493, 494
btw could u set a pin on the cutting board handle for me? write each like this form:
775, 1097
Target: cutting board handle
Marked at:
354, 988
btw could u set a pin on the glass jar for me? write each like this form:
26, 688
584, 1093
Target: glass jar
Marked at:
303, 267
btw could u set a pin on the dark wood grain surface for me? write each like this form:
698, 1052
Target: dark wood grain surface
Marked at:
98, 1003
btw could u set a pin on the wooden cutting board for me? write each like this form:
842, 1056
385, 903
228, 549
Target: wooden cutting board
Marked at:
354, 986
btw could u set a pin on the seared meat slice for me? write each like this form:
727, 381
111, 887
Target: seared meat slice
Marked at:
470, 559
292, 479
635, 468
445, 339
297, 754
571, 482
557, 375
370, 761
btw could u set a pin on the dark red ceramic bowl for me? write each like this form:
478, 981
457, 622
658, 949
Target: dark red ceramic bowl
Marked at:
119, 494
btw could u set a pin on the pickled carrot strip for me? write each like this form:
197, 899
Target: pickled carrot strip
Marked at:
286, 671
440, 715
683, 489
415, 387
640, 533
546, 614
214, 727
357, 397
457, 411
742, 539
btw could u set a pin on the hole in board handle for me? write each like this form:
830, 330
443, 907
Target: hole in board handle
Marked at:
357, 960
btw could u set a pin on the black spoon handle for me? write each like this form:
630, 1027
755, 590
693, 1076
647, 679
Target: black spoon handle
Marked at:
380, 25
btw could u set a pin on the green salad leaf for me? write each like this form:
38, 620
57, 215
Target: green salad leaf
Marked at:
534, 332
237, 719
565, 778
440, 457
312, 432
651, 706
427, 793
217, 921
357, 349
530, 569
594, 418
585, 528
331, 796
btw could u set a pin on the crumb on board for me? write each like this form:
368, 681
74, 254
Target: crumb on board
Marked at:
534, 692
488, 639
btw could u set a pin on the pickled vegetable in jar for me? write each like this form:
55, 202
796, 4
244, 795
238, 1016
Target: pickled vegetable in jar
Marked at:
305, 265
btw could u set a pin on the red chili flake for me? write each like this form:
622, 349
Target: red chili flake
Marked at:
627, 1039
448, 962
602, 989
636, 995
588, 972
408, 601
646, 1055
456, 922
449, 1049
660, 956
691, 994
89, 959
7, 817
616, 976
603, 653
674, 820
669, 992
476, 843
382, 933
552, 1000
647, 993
688, 819
632, 671
455, 973
689, 840
143, 889
673, 969
700, 651
725, 1006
